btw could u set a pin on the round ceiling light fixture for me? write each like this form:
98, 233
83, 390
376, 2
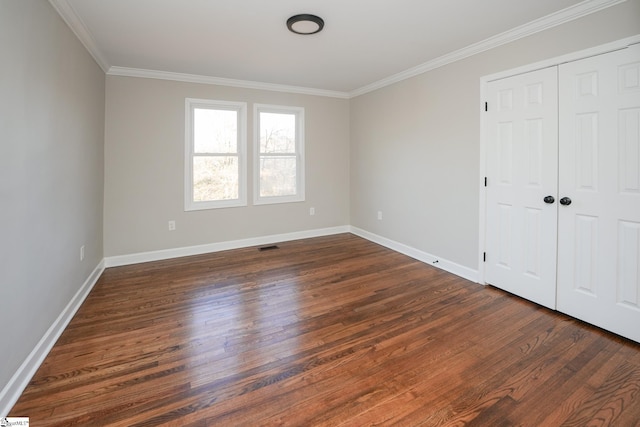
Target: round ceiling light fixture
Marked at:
305, 24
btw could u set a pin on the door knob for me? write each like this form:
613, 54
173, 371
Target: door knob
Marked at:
549, 199
565, 201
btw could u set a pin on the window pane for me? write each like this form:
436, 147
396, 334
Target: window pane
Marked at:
215, 131
277, 176
277, 133
215, 178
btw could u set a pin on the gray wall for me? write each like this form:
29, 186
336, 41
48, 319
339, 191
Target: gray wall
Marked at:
410, 150
144, 164
51, 173
415, 145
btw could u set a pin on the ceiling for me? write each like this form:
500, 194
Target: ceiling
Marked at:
364, 44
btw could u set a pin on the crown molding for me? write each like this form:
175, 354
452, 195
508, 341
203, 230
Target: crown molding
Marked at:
73, 21
587, 7
563, 16
220, 81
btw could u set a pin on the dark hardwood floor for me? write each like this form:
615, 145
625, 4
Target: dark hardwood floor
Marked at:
331, 331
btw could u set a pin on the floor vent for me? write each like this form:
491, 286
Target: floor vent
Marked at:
268, 248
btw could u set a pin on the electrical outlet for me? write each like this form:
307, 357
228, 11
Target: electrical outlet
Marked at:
172, 225
312, 211
379, 215
82, 253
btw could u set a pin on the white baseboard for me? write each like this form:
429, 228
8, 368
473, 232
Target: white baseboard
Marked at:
450, 266
116, 261
19, 381
14, 388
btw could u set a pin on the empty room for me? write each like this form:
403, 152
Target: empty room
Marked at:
320, 213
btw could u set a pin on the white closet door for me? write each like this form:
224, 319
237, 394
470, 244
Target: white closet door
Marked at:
522, 169
599, 240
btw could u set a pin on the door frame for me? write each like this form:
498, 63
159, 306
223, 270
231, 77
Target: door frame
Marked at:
574, 56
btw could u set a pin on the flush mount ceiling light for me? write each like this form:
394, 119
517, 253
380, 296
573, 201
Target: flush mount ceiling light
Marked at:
305, 24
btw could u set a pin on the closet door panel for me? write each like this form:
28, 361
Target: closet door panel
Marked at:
599, 159
522, 150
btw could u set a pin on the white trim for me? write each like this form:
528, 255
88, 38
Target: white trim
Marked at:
563, 59
220, 81
20, 379
241, 109
563, 16
552, 62
73, 21
587, 7
482, 194
116, 261
298, 112
449, 266
443, 264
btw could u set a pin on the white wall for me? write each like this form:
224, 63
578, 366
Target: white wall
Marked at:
415, 145
51, 174
144, 164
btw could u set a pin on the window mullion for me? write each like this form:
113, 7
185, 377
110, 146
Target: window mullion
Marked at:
215, 154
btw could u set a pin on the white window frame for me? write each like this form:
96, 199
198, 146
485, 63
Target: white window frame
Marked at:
241, 108
300, 158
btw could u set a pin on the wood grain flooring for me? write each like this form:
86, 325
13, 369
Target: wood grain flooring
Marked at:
331, 331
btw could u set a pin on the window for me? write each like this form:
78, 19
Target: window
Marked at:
279, 154
215, 154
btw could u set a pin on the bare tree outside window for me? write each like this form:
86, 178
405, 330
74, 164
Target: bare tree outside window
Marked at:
215, 154
278, 157
215, 173
279, 168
